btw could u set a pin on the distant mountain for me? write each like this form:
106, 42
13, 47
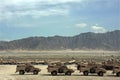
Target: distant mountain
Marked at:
99, 41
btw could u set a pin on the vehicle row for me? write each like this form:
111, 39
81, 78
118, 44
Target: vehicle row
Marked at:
58, 67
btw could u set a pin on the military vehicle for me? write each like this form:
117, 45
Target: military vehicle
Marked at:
116, 70
22, 68
83, 62
109, 64
91, 68
59, 67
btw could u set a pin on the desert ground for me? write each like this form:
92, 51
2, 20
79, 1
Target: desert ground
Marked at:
7, 72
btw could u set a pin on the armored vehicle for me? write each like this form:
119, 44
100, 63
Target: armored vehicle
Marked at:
22, 68
109, 64
116, 70
59, 67
92, 68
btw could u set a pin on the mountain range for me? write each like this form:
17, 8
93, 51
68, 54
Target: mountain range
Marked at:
83, 41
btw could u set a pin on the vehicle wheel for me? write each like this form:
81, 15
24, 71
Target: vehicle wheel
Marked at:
54, 73
118, 74
35, 72
100, 73
21, 72
68, 73
85, 73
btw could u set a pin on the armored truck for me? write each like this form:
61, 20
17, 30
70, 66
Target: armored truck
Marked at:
91, 68
59, 67
27, 68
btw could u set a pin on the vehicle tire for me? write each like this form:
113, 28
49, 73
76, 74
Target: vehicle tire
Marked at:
35, 72
100, 73
21, 72
54, 73
118, 74
85, 73
68, 73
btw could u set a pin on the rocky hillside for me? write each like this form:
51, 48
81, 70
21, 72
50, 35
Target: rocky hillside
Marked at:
104, 41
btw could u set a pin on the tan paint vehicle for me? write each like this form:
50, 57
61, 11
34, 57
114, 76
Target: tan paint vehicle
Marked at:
109, 64
92, 68
27, 68
116, 70
55, 68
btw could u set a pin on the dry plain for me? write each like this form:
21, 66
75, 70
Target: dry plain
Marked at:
7, 72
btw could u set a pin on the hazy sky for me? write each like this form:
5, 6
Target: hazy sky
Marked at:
25, 18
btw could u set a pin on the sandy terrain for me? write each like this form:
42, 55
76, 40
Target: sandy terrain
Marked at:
7, 72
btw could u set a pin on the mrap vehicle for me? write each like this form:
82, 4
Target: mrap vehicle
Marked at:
27, 68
